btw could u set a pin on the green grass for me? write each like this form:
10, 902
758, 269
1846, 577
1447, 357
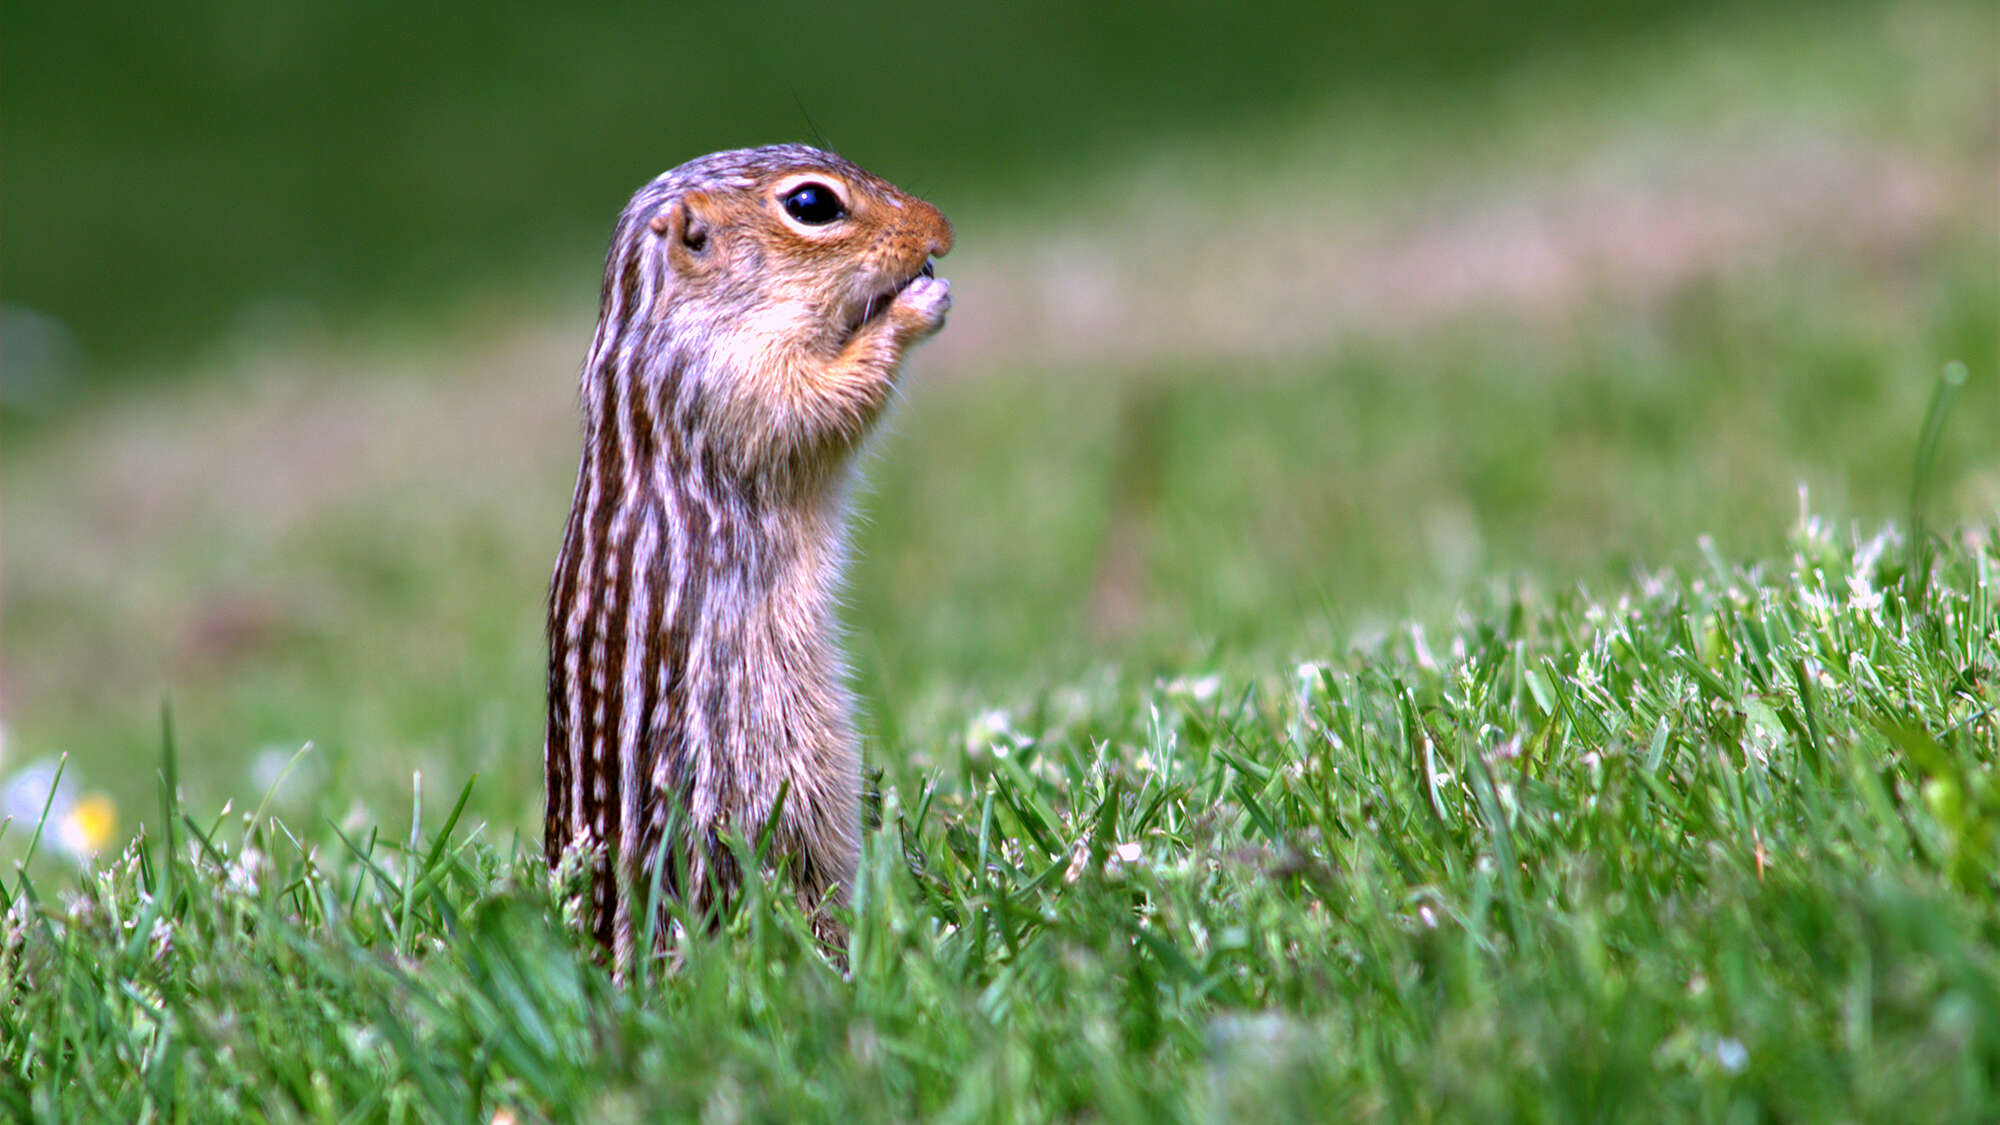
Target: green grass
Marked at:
1720, 846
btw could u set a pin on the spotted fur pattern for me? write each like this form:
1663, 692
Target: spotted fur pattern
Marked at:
694, 674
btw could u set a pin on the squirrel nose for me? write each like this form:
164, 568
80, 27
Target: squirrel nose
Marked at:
940, 233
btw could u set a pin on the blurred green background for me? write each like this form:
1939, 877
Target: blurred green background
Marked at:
177, 163
1275, 327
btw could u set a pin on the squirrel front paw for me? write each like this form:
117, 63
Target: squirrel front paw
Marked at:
921, 306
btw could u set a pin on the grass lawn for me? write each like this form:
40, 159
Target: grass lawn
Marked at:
1719, 846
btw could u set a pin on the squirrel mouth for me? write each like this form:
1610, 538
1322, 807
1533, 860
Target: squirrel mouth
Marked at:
858, 315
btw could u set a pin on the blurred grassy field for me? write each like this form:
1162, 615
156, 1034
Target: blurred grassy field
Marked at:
344, 156
1251, 391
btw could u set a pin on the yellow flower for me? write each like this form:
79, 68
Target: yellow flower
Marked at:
90, 824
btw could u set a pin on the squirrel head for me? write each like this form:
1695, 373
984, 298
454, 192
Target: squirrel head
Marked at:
769, 288
794, 247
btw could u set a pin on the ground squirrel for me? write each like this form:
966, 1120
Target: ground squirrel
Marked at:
756, 306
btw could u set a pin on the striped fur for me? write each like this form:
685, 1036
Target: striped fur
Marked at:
693, 670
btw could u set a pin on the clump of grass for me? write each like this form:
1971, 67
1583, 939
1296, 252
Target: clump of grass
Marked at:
1721, 845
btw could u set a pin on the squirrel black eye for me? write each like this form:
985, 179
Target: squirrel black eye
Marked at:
814, 204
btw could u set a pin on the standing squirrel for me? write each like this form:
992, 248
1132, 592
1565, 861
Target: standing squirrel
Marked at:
756, 306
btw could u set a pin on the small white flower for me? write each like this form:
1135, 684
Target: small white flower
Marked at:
1870, 553
1586, 676
247, 872
1862, 595
1079, 858
989, 733
1423, 651
1199, 689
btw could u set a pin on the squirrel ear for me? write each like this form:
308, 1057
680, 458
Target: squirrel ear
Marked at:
684, 228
